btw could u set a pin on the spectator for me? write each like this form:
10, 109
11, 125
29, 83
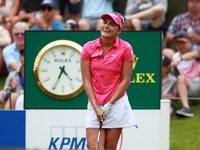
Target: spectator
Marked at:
11, 52
74, 9
188, 22
30, 9
4, 41
169, 84
15, 82
186, 59
8, 14
146, 14
47, 21
91, 13
71, 25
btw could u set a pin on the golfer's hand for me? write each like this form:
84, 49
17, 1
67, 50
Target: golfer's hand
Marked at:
100, 117
106, 108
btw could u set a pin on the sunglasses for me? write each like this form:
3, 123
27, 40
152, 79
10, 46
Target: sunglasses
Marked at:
17, 34
44, 8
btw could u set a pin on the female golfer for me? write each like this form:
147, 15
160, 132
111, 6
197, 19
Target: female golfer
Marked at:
106, 65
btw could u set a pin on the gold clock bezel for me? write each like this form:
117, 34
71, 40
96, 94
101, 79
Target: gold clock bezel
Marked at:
38, 59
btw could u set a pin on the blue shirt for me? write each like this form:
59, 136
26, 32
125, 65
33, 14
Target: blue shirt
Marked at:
57, 25
11, 54
96, 8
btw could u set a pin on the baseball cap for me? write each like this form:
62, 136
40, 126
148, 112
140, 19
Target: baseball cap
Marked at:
181, 36
166, 61
117, 18
50, 3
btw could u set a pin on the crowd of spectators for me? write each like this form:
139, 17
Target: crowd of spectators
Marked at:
181, 54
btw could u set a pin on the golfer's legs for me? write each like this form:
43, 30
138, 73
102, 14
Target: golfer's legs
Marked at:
112, 137
92, 135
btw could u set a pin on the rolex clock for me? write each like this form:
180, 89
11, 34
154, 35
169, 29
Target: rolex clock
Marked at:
57, 69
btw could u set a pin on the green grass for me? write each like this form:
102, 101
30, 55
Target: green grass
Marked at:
2, 82
184, 132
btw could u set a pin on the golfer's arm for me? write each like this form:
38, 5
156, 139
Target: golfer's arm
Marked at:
87, 83
126, 77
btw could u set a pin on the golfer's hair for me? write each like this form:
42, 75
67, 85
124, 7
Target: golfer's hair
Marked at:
20, 24
121, 17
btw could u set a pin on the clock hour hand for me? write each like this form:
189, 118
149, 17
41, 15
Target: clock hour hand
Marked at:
61, 71
66, 73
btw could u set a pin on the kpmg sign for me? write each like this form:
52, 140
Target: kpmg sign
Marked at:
67, 137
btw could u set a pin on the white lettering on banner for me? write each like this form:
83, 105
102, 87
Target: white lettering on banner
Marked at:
68, 138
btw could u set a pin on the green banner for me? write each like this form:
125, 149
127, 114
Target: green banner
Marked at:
144, 91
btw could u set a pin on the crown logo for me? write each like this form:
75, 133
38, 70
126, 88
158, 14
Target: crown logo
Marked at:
63, 51
135, 62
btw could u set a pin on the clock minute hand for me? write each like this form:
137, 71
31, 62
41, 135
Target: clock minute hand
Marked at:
66, 73
61, 71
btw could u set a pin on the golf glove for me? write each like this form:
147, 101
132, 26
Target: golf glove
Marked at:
106, 108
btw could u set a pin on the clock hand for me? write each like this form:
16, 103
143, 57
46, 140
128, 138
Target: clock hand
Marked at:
66, 73
61, 71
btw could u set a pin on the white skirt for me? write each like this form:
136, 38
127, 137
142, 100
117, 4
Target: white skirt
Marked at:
120, 116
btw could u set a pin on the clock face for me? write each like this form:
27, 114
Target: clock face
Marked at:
57, 69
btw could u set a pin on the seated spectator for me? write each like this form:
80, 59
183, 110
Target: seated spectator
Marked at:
8, 14
169, 84
4, 41
30, 9
15, 82
74, 9
146, 14
91, 13
188, 22
2, 3
186, 59
47, 21
11, 52
71, 25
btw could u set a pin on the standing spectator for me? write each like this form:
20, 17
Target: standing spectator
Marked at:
47, 20
186, 59
188, 22
11, 52
169, 84
74, 9
91, 13
146, 14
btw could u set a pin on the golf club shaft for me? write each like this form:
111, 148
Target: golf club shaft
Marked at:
100, 126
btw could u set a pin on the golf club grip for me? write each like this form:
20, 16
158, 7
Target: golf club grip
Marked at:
101, 122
